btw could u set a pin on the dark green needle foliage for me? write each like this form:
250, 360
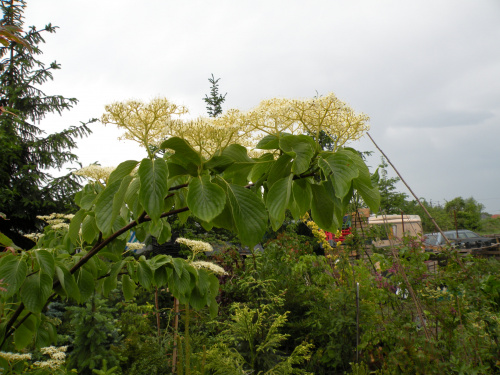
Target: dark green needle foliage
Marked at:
215, 100
26, 152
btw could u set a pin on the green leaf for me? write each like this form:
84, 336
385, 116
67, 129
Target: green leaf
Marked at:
180, 202
278, 199
110, 282
197, 300
154, 186
35, 291
269, 142
281, 168
249, 214
175, 169
261, 167
301, 148
363, 183
132, 194
322, 208
161, 230
68, 282
302, 195
128, 287
45, 261
344, 170
238, 171
218, 163
124, 169
119, 198
144, 274
104, 207
183, 150
86, 284
160, 276
370, 194
225, 218
23, 335
6, 241
12, 273
75, 225
203, 283
205, 199
89, 229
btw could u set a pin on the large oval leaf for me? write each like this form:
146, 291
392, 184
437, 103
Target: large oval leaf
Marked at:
35, 291
154, 186
12, 273
205, 199
277, 201
249, 214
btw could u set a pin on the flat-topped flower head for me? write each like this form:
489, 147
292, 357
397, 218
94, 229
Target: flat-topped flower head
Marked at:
218, 270
194, 245
95, 172
144, 123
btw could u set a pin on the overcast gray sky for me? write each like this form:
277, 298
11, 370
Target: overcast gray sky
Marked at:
427, 72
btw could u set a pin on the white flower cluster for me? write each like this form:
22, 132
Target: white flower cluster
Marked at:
218, 270
14, 357
56, 221
135, 246
195, 246
55, 218
95, 172
57, 357
34, 236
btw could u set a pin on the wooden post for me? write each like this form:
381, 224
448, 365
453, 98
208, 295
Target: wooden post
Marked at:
176, 327
157, 313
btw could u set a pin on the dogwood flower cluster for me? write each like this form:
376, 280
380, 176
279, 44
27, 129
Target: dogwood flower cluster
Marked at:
135, 246
153, 122
14, 357
57, 357
55, 220
144, 123
218, 270
196, 247
95, 172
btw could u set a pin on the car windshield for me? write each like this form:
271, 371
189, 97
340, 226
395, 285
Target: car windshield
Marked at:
471, 234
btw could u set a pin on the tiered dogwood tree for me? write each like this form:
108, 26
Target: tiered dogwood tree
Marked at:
239, 171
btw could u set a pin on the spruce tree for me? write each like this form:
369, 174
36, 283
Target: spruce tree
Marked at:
26, 152
215, 100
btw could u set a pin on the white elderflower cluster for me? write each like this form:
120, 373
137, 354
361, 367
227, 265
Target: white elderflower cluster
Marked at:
95, 172
14, 357
218, 270
57, 357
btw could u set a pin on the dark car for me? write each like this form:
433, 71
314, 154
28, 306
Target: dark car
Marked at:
462, 238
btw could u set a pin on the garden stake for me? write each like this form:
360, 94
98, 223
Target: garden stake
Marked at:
459, 261
401, 270
357, 322
176, 327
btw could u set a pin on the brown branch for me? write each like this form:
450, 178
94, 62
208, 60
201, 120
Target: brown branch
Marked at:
97, 247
